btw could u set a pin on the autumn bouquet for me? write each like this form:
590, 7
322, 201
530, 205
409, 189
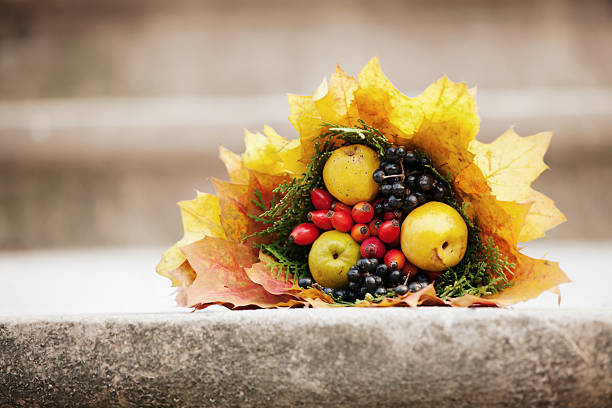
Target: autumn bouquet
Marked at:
384, 200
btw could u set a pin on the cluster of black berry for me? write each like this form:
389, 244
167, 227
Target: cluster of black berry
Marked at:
377, 279
369, 276
405, 181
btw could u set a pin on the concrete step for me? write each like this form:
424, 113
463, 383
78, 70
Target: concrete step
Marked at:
311, 358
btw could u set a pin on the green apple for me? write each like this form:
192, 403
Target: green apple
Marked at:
434, 237
348, 174
330, 258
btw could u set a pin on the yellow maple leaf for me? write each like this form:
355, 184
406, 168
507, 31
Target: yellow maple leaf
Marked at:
272, 154
200, 218
337, 106
510, 164
305, 117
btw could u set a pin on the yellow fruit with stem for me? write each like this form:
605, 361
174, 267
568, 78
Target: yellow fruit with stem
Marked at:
348, 174
434, 237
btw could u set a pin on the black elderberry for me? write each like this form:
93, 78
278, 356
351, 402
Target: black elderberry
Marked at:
395, 277
410, 202
415, 286
353, 274
354, 285
400, 153
340, 294
401, 290
392, 169
361, 292
379, 208
424, 161
371, 265
421, 198
328, 291
380, 291
386, 190
411, 180
395, 202
370, 283
305, 283
382, 270
378, 280
438, 192
391, 154
410, 159
387, 207
422, 278
398, 189
379, 176
425, 182
362, 265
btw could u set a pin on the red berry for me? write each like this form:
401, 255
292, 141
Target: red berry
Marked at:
374, 226
304, 234
320, 219
395, 259
389, 231
389, 215
409, 269
372, 248
363, 212
341, 220
338, 206
321, 199
359, 232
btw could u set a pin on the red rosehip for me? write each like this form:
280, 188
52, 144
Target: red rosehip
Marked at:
372, 248
321, 199
362, 212
304, 234
389, 231
374, 226
395, 259
389, 215
409, 269
341, 220
359, 232
338, 206
320, 219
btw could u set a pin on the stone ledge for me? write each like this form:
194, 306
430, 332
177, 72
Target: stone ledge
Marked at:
348, 357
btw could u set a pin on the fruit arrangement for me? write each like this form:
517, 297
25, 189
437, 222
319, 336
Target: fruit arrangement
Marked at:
374, 248
383, 201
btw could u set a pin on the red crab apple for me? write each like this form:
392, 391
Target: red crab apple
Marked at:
331, 256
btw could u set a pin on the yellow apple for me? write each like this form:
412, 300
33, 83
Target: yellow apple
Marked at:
434, 236
348, 174
330, 258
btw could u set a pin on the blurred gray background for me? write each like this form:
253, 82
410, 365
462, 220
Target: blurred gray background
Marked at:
112, 111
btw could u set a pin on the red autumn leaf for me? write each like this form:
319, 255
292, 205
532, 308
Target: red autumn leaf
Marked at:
221, 278
270, 278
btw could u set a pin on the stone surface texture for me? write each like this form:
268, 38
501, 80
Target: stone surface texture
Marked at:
432, 357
